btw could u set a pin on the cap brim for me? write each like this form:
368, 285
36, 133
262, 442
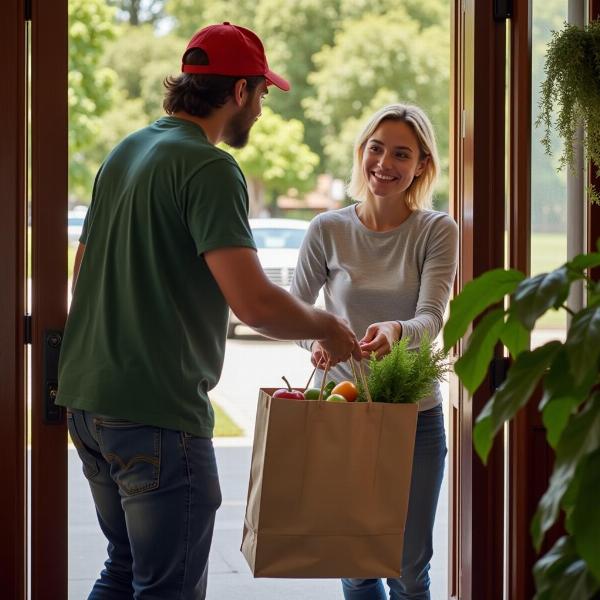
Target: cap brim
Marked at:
278, 81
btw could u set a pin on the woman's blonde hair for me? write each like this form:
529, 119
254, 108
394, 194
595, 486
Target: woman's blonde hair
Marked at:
419, 194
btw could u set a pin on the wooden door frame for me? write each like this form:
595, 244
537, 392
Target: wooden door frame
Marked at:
477, 164
49, 183
527, 448
593, 216
13, 424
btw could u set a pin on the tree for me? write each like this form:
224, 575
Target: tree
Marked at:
275, 159
149, 59
137, 12
91, 86
375, 59
192, 15
426, 14
293, 32
548, 185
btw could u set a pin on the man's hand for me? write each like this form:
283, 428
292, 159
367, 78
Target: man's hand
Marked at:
379, 338
339, 345
318, 356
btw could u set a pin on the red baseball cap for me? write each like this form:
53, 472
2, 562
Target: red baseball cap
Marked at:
232, 50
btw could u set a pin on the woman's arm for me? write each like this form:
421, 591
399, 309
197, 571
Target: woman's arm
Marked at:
437, 278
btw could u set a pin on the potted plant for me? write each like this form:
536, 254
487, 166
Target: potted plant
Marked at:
569, 371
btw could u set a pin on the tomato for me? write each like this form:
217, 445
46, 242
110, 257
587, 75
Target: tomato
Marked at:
346, 389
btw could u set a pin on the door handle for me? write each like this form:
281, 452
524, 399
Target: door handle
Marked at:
52, 414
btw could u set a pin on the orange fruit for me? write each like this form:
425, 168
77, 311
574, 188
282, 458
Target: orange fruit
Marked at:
346, 389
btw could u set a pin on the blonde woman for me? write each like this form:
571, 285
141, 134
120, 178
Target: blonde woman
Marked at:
386, 264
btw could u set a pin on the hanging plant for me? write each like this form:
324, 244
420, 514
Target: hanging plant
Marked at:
572, 84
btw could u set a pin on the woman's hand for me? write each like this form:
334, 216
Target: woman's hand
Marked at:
379, 338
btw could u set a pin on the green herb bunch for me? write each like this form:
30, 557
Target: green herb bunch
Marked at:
403, 375
573, 82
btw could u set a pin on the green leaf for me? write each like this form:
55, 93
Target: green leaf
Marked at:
562, 575
586, 514
522, 378
556, 416
583, 343
561, 396
580, 438
514, 336
476, 296
536, 295
585, 261
472, 366
483, 432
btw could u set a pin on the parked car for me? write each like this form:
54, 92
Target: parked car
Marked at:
278, 242
75, 219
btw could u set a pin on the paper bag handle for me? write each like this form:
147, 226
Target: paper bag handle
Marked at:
363, 379
323, 381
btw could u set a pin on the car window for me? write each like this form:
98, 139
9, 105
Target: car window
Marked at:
273, 238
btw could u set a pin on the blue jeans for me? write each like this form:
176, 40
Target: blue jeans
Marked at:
156, 493
427, 475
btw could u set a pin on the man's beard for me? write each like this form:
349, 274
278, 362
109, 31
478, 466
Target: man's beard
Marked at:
238, 128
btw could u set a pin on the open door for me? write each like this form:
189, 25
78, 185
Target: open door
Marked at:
48, 175
478, 159
13, 424
33, 147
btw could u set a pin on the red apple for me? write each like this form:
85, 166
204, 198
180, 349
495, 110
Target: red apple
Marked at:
288, 392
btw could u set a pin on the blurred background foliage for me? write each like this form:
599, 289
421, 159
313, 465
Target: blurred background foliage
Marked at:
344, 58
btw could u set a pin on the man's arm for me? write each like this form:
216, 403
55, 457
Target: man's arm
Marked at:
77, 264
270, 309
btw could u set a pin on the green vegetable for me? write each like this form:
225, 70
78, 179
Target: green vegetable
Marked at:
403, 375
327, 389
312, 393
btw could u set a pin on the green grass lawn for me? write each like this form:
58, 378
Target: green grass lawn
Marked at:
224, 425
548, 252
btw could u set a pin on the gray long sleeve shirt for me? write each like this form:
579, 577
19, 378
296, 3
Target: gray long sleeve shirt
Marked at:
404, 275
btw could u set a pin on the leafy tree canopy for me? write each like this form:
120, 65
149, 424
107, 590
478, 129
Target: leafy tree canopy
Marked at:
294, 31
277, 155
92, 87
137, 12
142, 60
372, 61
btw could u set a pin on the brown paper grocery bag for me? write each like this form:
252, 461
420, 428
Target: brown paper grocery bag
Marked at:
329, 487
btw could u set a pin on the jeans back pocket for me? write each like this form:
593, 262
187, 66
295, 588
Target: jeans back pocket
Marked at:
89, 462
133, 452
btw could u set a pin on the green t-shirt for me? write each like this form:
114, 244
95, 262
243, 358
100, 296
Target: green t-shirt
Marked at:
145, 336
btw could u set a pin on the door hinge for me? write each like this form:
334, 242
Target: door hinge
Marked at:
27, 8
502, 9
498, 372
27, 329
